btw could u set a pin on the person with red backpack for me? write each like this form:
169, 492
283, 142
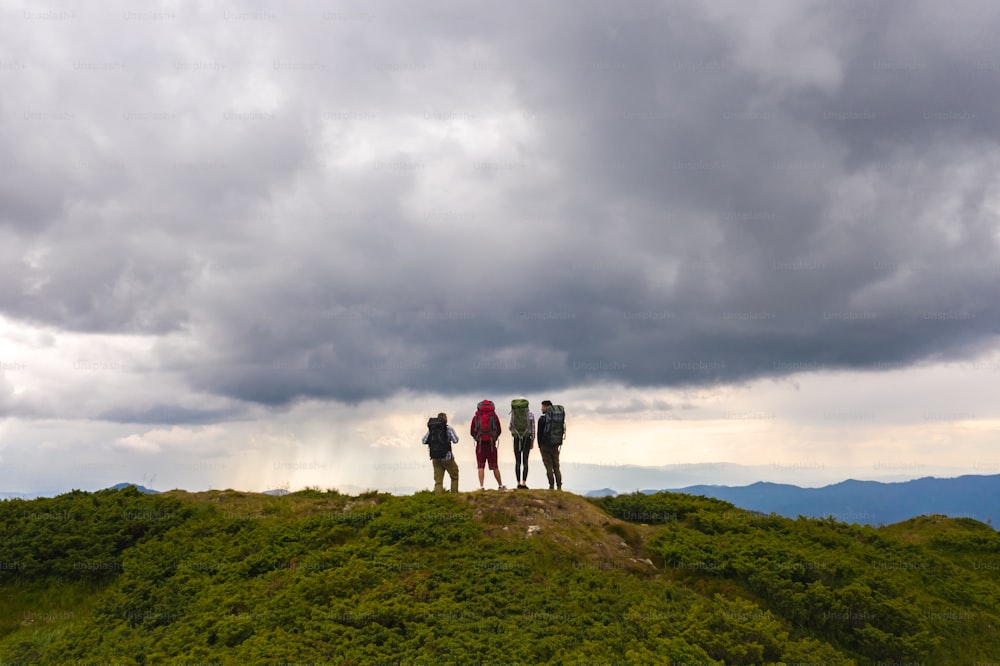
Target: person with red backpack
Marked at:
485, 431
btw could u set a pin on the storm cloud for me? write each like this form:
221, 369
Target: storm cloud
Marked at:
345, 202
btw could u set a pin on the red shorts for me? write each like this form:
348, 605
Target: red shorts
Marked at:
486, 452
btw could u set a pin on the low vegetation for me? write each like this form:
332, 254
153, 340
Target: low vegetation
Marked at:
529, 577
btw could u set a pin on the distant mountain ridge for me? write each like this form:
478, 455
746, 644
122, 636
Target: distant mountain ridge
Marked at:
866, 502
611, 477
603, 492
141, 489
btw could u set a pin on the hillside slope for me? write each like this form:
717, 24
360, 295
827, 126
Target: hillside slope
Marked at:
519, 577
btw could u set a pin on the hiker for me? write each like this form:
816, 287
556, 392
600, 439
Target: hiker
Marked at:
439, 438
522, 429
551, 433
485, 431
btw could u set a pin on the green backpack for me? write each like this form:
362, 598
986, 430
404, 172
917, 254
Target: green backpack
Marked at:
520, 423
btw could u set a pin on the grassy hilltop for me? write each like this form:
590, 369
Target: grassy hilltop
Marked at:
529, 577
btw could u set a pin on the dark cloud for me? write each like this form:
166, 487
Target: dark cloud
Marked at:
633, 406
167, 414
517, 198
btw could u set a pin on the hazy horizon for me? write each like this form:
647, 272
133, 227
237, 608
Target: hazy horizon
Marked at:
258, 246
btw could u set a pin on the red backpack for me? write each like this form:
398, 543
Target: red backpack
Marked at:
485, 425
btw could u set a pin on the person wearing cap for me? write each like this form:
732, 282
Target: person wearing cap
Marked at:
549, 450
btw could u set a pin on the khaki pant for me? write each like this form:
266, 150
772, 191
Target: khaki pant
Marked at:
440, 466
550, 458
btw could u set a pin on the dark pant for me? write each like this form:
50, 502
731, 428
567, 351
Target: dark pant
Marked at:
550, 458
522, 447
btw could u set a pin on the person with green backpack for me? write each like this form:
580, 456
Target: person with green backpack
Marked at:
522, 428
551, 433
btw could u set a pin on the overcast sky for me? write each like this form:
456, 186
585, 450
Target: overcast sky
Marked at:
258, 243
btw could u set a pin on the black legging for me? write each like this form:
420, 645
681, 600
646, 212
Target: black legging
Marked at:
522, 447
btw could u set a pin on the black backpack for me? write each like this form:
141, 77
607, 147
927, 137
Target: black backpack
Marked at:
437, 438
555, 425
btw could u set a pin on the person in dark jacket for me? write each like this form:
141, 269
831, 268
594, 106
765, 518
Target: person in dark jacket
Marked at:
548, 449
